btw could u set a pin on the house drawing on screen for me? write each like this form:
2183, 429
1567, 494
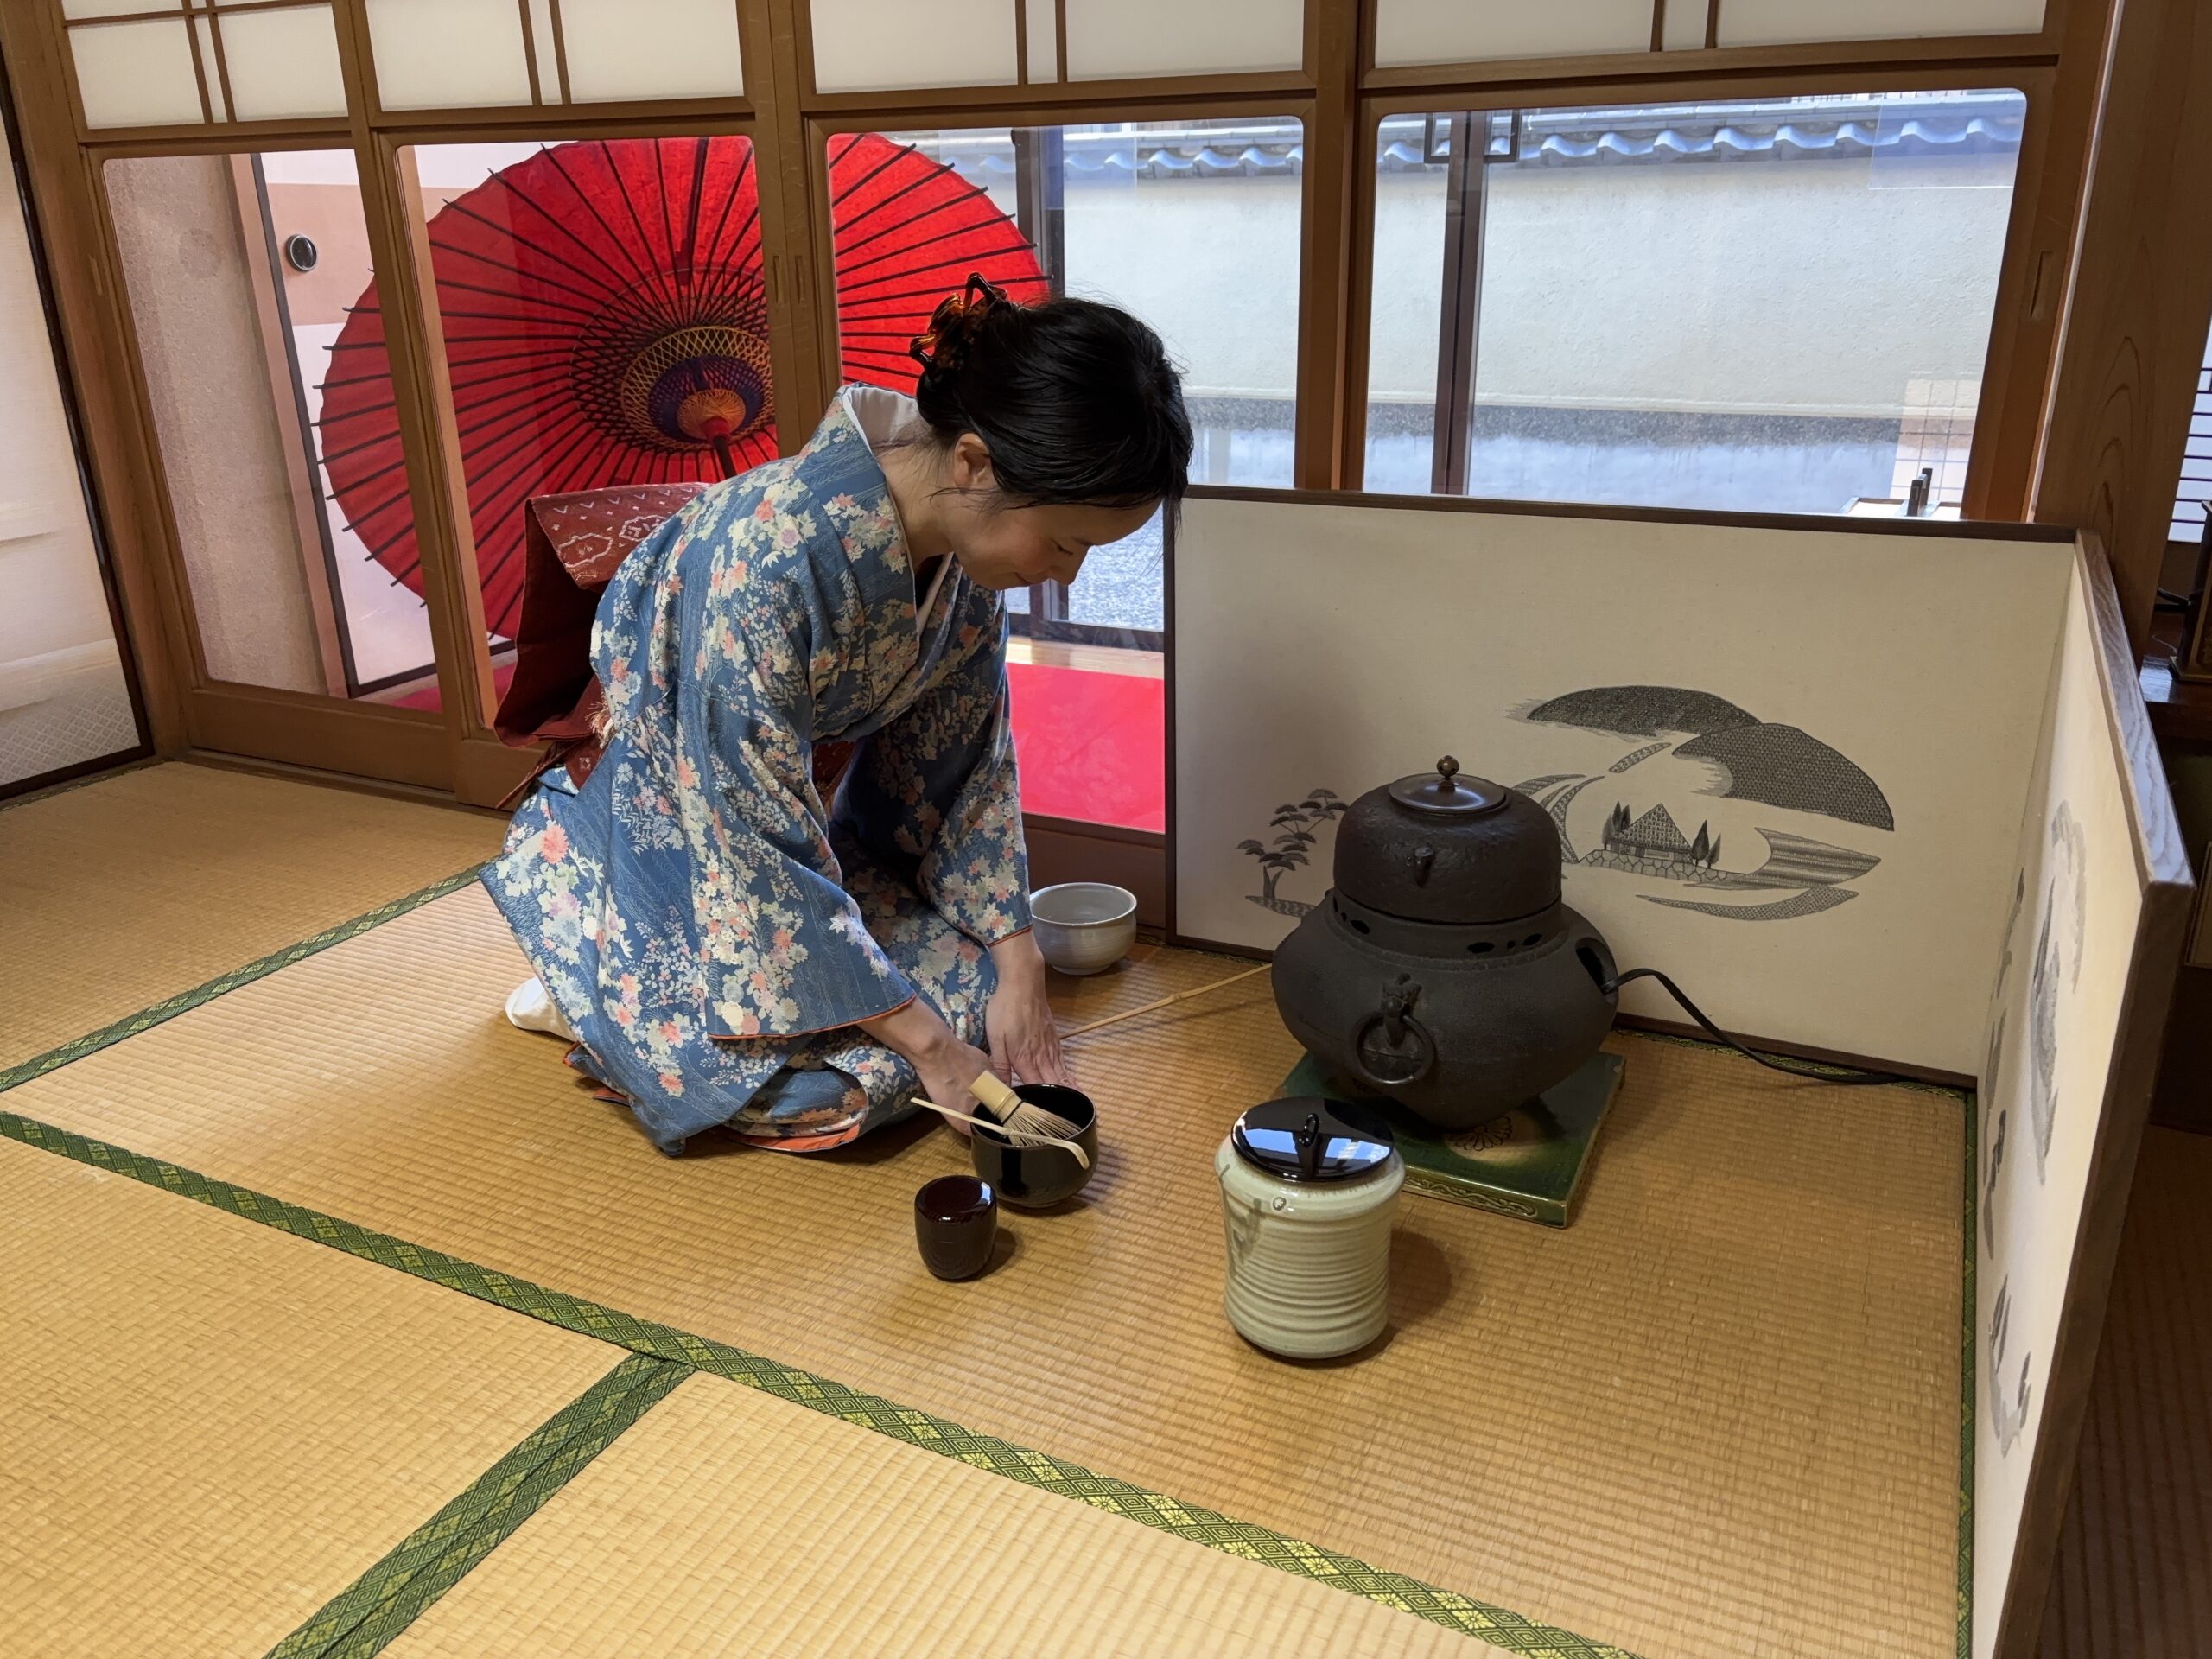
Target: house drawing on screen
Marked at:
1742, 757
1654, 840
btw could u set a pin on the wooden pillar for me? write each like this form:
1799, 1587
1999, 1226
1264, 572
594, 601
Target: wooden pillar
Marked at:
2139, 303
796, 243
2038, 251
1332, 57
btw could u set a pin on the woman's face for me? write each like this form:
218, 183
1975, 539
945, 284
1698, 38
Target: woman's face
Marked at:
1019, 547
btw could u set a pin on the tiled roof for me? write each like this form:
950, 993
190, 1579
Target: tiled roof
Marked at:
1657, 828
1840, 127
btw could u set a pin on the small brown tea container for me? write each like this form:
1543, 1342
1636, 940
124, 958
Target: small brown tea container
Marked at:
955, 1224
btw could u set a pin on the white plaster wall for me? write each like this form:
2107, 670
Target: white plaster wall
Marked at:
1806, 287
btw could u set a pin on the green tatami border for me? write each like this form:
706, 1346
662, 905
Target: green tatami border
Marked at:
169, 1008
1190, 1523
376, 1607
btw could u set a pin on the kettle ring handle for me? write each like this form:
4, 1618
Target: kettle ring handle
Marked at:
1396, 1017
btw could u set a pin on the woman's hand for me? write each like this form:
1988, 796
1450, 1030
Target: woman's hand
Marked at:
1025, 1042
947, 1065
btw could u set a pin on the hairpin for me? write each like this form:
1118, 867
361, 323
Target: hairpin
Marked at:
966, 308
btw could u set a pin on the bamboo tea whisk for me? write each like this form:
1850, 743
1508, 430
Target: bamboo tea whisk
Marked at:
1013, 1137
1018, 1118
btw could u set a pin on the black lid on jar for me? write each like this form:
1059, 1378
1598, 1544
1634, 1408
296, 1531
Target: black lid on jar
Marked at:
1310, 1139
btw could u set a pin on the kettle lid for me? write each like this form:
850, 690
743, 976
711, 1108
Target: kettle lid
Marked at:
1445, 792
1310, 1139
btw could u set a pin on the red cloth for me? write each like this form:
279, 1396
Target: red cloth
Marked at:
572, 546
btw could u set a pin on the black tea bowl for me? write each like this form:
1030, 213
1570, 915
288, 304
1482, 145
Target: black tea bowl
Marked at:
1036, 1178
956, 1223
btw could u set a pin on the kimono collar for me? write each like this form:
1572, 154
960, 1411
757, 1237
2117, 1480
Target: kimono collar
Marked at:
840, 471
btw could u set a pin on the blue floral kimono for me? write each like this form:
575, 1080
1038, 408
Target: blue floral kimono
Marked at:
709, 925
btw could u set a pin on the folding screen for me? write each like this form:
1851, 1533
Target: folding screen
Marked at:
1886, 794
1851, 716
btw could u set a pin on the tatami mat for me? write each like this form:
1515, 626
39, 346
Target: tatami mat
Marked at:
2133, 1578
1718, 1416
119, 894
210, 1428
730, 1523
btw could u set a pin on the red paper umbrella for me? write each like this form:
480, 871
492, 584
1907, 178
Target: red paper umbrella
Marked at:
606, 322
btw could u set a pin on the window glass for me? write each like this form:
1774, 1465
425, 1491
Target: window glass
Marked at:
1191, 225
1777, 305
605, 319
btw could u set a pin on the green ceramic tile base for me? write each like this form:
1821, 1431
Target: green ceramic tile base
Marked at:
1528, 1163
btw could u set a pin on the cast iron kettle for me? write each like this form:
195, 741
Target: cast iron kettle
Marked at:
1441, 970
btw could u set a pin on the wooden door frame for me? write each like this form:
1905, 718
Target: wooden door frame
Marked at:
1337, 92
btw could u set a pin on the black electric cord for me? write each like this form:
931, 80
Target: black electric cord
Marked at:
1811, 1074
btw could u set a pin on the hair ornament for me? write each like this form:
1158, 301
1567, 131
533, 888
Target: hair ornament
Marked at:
953, 326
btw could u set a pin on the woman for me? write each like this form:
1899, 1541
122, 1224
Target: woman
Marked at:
726, 940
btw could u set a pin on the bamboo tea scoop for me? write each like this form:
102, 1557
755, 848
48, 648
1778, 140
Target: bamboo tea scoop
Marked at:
1164, 1001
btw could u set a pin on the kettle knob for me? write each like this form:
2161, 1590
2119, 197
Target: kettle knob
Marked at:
1447, 769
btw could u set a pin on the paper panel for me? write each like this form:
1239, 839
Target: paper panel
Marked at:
1042, 24
1115, 38
135, 74
283, 63
651, 49
1785, 772
1779, 23
877, 45
1457, 31
545, 46
2072, 912
447, 53
1683, 28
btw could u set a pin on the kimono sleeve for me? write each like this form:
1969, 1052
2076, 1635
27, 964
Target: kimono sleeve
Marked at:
933, 795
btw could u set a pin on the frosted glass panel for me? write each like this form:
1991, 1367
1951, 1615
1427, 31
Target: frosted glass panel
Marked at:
651, 49
283, 63
869, 45
447, 53
1044, 40
1176, 37
1684, 26
135, 74
1456, 31
1774, 22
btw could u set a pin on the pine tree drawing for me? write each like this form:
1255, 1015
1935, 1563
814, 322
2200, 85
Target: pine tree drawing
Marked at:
1293, 824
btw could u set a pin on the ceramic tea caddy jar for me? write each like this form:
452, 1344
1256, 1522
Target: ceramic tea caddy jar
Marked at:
1308, 1192
1441, 970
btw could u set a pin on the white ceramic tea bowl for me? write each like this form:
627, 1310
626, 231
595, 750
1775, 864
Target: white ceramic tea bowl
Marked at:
1083, 927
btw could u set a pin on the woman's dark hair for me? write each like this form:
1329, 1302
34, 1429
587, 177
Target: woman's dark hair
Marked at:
1075, 401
